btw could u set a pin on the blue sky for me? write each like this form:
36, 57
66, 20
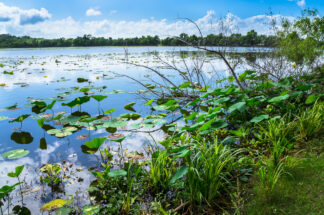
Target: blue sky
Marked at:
28, 17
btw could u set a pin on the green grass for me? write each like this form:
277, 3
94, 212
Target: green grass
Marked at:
300, 192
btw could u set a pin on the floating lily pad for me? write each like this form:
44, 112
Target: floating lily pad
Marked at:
3, 118
82, 137
17, 153
130, 106
115, 136
90, 209
55, 204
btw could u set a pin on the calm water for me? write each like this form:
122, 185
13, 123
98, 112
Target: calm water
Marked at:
49, 74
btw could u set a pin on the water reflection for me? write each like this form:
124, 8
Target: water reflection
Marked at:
43, 144
22, 137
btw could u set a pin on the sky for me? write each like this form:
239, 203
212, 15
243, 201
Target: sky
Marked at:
130, 18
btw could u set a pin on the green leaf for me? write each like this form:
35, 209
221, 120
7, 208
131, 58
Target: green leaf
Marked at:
11, 107
99, 98
20, 118
17, 153
95, 143
115, 123
84, 90
117, 173
50, 106
130, 106
184, 85
206, 125
55, 204
110, 111
3, 118
133, 116
219, 124
240, 106
54, 131
63, 211
41, 122
311, 99
180, 173
111, 129
81, 80
118, 140
182, 153
90, 209
17, 172
278, 99
149, 102
259, 118
191, 116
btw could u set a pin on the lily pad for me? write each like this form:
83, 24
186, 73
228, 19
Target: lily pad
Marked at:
95, 143
130, 106
90, 209
16, 153
3, 118
55, 204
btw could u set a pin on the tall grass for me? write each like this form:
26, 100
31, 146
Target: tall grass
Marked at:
279, 135
162, 168
210, 171
310, 122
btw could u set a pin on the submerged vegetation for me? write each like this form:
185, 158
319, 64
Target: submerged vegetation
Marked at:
234, 147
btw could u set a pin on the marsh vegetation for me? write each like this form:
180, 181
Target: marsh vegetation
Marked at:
190, 130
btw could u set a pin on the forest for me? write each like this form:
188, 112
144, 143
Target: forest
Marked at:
251, 39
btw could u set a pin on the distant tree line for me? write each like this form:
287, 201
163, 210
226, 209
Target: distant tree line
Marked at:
250, 39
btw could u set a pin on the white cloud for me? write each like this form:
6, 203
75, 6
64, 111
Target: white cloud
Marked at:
18, 16
301, 3
93, 12
14, 21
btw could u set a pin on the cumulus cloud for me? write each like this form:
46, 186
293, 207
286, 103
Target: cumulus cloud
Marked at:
36, 23
19, 16
93, 12
301, 3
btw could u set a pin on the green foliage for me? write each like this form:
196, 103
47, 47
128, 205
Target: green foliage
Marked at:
95, 143
51, 174
162, 169
130, 106
310, 122
17, 172
20, 118
302, 41
6, 190
250, 39
16, 153
210, 172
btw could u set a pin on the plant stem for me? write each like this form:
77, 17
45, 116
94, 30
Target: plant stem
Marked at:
8, 204
22, 196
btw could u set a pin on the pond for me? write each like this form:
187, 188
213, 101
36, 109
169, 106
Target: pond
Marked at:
28, 76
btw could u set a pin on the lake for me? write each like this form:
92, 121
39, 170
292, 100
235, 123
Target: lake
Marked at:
29, 75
